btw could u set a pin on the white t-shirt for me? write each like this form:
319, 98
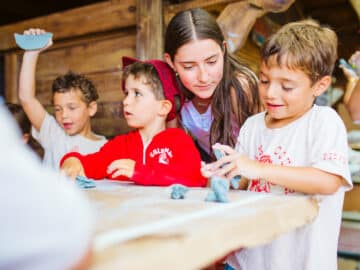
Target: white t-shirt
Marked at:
46, 223
317, 139
57, 143
198, 124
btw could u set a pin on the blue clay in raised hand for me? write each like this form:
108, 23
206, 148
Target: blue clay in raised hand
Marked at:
84, 182
32, 42
219, 190
178, 191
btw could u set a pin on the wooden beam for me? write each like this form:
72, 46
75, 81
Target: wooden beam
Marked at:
235, 28
11, 67
171, 10
100, 17
149, 37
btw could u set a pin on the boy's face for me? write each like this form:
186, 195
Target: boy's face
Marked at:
285, 93
72, 113
140, 105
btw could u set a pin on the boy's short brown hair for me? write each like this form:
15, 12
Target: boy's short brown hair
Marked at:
149, 73
72, 81
304, 45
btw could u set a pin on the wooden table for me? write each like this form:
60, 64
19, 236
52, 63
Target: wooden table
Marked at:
142, 228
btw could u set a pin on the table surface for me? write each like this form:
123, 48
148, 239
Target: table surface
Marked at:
142, 228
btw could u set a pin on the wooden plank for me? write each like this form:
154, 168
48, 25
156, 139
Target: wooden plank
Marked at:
236, 29
109, 119
149, 38
189, 233
171, 10
11, 68
249, 54
95, 18
100, 60
352, 199
345, 116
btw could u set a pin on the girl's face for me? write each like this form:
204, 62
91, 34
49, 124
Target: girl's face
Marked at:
199, 64
287, 94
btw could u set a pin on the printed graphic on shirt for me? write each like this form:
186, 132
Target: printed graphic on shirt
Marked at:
336, 157
278, 156
75, 148
163, 154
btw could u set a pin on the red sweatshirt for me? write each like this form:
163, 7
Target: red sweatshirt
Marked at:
170, 158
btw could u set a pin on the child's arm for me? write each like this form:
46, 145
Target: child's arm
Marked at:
301, 179
93, 165
183, 169
72, 167
32, 106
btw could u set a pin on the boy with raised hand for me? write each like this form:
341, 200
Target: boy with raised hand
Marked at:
152, 154
74, 101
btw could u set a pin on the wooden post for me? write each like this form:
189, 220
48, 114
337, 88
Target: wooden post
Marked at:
11, 79
149, 37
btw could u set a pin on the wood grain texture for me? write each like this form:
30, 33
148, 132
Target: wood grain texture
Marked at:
150, 32
197, 233
95, 18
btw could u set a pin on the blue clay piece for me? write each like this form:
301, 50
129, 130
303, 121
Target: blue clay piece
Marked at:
210, 197
84, 182
234, 182
178, 191
219, 190
32, 42
218, 153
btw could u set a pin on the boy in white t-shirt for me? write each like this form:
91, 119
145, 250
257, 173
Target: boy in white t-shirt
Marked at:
294, 147
74, 100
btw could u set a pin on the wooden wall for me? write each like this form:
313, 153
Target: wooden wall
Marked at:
91, 40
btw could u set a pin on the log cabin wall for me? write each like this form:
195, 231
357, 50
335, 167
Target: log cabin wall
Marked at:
92, 39
89, 40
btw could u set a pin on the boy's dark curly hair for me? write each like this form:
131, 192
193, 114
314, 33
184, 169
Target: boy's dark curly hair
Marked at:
72, 81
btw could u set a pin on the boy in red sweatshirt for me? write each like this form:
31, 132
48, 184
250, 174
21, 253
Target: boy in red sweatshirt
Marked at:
152, 154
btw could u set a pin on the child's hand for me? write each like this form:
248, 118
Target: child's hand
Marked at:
232, 164
354, 60
349, 70
123, 167
207, 170
38, 31
72, 167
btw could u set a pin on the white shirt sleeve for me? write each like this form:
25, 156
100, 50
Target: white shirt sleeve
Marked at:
46, 223
329, 148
